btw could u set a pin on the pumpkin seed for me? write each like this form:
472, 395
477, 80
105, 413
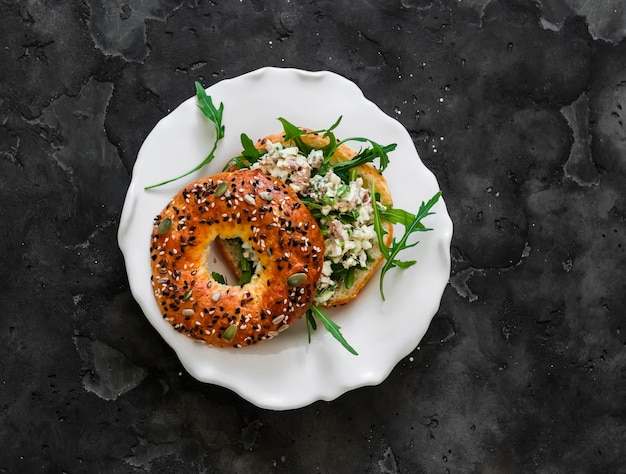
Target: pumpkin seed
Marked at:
221, 188
187, 295
164, 226
229, 333
296, 279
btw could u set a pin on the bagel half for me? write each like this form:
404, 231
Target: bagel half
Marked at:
230, 249
279, 229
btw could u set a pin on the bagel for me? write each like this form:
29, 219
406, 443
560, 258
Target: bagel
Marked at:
371, 177
261, 211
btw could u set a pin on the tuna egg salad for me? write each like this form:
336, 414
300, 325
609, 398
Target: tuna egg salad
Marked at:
343, 208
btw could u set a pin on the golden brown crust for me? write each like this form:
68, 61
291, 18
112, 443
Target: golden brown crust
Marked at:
283, 234
371, 176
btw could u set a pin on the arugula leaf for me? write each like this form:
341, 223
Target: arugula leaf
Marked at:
240, 161
314, 208
332, 127
390, 253
332, 140
315, 313
246, 269
397, 216
365, 156
349, 281
249, 150
353, 175
249, 155
205, 103
346, 217
294, 133
310, 324
218, 277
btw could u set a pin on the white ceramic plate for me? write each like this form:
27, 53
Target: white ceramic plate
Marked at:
287, 372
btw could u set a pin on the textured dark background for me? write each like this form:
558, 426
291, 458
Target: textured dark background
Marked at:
518, 108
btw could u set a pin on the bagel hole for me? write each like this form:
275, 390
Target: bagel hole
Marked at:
218, 263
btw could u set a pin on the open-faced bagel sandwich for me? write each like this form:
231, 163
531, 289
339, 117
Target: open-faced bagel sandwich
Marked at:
341, 202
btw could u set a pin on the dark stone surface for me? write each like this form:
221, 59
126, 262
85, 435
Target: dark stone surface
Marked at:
517, 106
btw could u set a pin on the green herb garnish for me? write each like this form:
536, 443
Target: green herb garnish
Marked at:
245, 267
397, 216
205, 103
314, 313
368, 155
315, 208
293, 133
349, 281
343, 190
218, 277
365, 156
249, 150
249, 155
390, 253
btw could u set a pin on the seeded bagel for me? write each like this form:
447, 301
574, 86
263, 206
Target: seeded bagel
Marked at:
265, 213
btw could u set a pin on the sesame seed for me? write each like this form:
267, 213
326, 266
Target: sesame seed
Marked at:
266, 195
278, 319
